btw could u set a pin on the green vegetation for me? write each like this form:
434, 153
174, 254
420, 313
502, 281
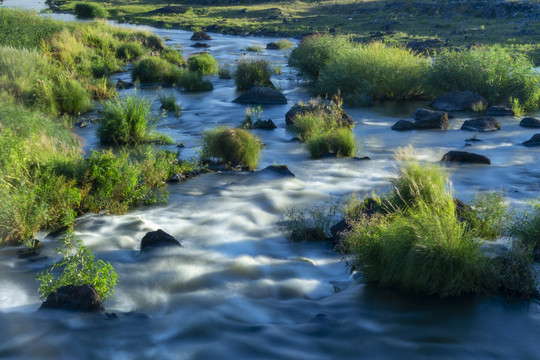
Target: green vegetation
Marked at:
284, 43
79, 267
252, 72
232, 146
311, 224
173, 55
203, 63
130, 51
193, 81
90, 11
128, 121
224, 72
156, 70
168, 103
525, 229
255, 48
324, 131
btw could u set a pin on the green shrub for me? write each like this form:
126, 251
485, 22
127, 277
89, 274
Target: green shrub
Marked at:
284, 43
315, 51
129, 51
193, 81
71, 97
487, 215
168, 103
224, 72
154, 69
173, 56
79, 267
525, 228
128, 121
90, 11
493, 73
252, 72
203, 63
255, 48
235, 146
374, 69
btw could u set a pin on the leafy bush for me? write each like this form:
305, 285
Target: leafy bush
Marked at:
234, 146
128, 121
90, 11
493, 73
252, 72
79, 267
130, 51
193, 81
315, 51
375, 70
203, 63
153, 69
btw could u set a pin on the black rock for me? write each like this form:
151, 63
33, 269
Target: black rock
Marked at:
530, 122
481, 124
534, 141
402, 125
338, 230
281, 170
200, 35
430, 119
200, 45
176, 178
458, 101
499, 111
158, 238
465, 157
272, 46
264, 125
261, 95
76, 298
31, 251
121, 84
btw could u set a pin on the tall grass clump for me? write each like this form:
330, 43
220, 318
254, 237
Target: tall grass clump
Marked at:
376, 70
130, 51
168, 103
493, 73
252, 72
203, 63
525, 229
233, 146
194, 81
90, 11
128, 121
284, 44
312, 54
156, 70
173, 55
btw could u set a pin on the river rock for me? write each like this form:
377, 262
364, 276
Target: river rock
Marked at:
530, 122
430, 119
158, 238
534, 141
402, 125
121, 84
261, 95
300, 109
458, 101
264, 125
481, 124
200, 45
32, 251
77, 298
465, 157
338, 230
272, 46
499, 111
281, 170
200, 35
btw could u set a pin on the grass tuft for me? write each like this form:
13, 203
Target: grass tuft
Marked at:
252, 72
234, 146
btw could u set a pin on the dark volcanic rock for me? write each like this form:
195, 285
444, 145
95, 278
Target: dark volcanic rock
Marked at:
261, 95
430, 119
530, 122
499, 111
465, 157
402, 125
264, 125
458, 101
481, 124
158, 238
281, 170
272, 46
77, 298
300, 109
534, 141
200, 35
200, 45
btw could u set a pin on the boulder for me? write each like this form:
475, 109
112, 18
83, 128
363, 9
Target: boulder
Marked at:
261, 95
176, 178
264, 125
430, 119
465, 157
337, 231
121, 84
200, 45
272, 46
481, 124
458, 101
530, 122
200, 35
77, 298
499, 111
326, 105
281, 170
402, 125
534, 141
158, 238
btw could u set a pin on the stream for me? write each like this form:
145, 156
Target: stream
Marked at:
238, 289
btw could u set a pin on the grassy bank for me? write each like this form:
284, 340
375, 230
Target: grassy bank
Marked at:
419, 24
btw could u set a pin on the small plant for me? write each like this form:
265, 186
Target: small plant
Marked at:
487, 215
255, 48
129, 51
168, 103
525, 228
252, 72
517, 108
235, 146
284, 44
311, 224
153, 69
203, 63
90, 11
79, 267
173, 56
252, 116
193, 81
224, 72
479, 106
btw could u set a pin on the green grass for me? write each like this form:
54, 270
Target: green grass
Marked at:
255, 48
173, 55
168, 103
525, 228
156, 70
284, 43
252, 72
234, 146
193, 81
203, 63
90, 11
130, 51
128, 121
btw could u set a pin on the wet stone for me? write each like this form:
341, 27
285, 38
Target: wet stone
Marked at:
75, 298
465, 157
530, 122
158, 238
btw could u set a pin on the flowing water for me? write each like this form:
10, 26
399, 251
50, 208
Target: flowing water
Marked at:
237, 288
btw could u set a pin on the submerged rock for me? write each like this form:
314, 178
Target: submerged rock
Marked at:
261, 95
200, 35
465, 157
534, 141
264, 125
481, 124
499, 111
200, 45
458, 101
281, 170
530, 122
158, 238
76, 298
272, 46
402, 125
